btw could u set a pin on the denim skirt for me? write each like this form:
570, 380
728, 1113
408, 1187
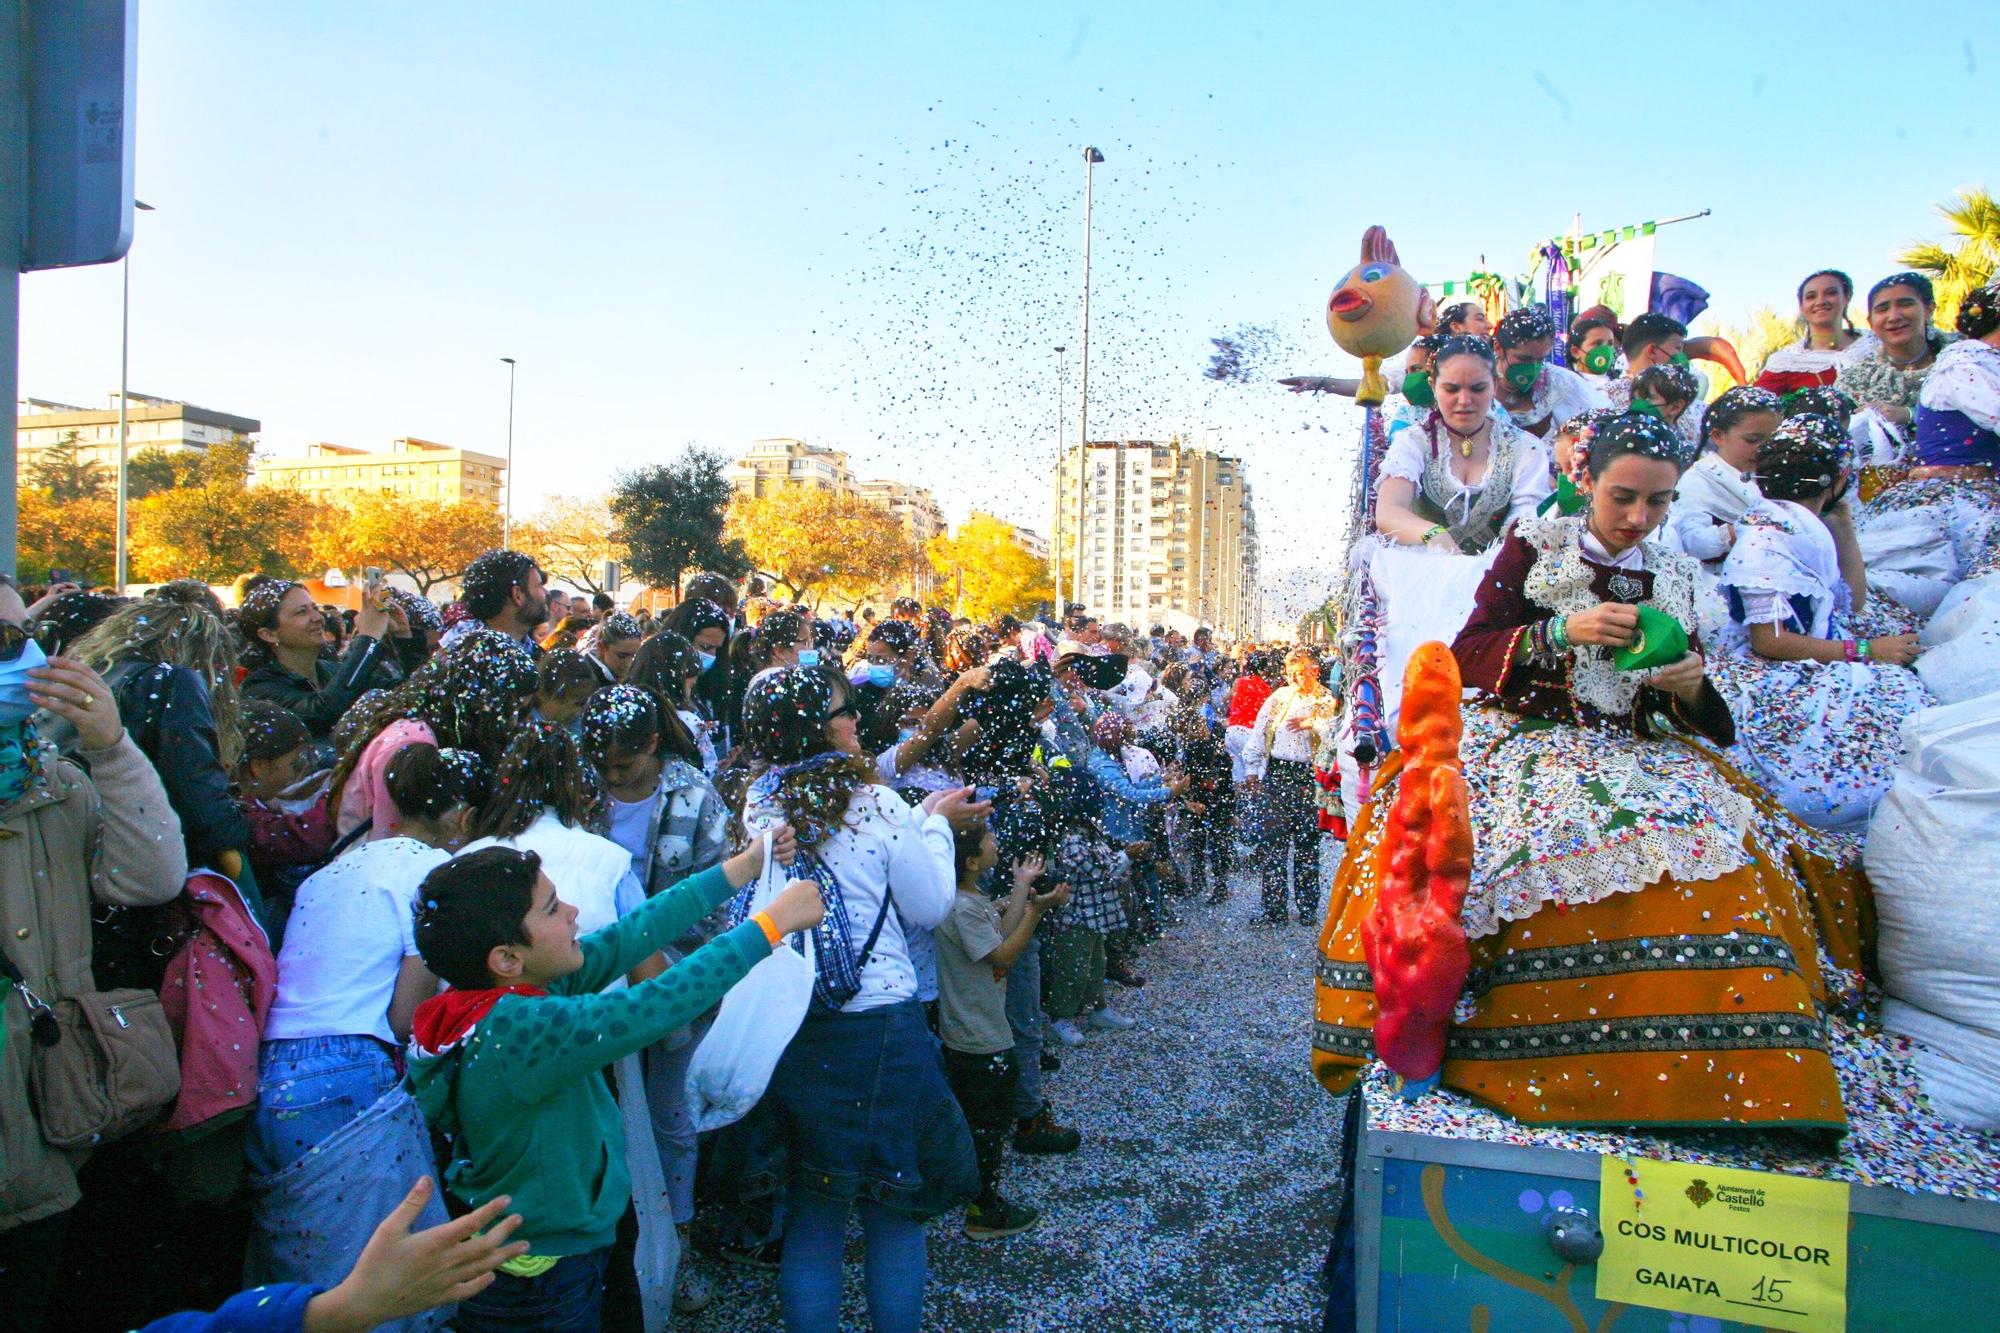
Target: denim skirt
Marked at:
863, 1100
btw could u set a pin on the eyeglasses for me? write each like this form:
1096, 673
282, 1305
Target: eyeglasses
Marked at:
13, 641
845, 710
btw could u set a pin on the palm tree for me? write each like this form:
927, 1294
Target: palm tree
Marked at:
1968, 264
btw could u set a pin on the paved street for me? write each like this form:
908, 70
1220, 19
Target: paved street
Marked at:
1203, 1196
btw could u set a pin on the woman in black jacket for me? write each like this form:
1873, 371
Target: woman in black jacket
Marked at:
282, 637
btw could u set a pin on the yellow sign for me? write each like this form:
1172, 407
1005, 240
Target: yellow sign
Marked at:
1746, 1246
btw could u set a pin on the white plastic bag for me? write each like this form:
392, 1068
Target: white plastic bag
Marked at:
757, 1020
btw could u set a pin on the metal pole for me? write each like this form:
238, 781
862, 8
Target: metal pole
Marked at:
13, 226
1055, 539
1091, 157
507, 515
124, 392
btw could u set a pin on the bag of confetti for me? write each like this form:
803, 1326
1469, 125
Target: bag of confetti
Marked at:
757, 1020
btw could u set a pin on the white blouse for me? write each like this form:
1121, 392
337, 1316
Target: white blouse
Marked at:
1711, 494
1783, 550
1966, 378
1532, 468
884, 846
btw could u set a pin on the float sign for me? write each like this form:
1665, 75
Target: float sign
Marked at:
1746, 1246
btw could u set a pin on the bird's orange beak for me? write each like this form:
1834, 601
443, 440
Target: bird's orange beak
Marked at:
1349, 304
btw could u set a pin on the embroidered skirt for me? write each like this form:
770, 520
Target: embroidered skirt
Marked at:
1632, 973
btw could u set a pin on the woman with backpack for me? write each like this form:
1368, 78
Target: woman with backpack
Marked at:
859, 1092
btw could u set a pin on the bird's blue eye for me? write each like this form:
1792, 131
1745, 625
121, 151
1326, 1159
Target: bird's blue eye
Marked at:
1374, 272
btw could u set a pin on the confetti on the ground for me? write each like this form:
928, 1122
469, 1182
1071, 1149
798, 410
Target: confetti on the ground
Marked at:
1205, 1192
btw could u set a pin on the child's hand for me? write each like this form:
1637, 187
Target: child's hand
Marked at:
797, 907
1050, 901
1026, 870
784, 844
747, 864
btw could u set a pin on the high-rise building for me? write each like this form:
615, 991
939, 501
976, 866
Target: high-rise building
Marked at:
782, 461
411, 468
150, 423
913, 508
1034, 543
1169, 536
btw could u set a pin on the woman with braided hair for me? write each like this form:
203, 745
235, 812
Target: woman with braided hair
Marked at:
1819, 706
1538, 396
1647, 928
1956, 457
1453, 482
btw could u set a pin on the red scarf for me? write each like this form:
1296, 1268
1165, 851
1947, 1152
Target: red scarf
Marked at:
444, 1020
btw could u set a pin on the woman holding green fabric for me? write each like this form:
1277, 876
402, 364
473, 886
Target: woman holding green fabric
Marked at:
1647, 927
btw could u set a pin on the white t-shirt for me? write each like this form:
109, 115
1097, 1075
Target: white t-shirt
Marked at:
631, 821
351, 927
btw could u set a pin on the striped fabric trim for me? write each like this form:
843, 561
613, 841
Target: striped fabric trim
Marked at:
1664, 953
1665, 1033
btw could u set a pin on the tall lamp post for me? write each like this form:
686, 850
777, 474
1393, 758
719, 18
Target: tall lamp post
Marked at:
124, 364
1091, 157
507, 515
1055, 539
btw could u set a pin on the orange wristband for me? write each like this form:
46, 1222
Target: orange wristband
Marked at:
769, 927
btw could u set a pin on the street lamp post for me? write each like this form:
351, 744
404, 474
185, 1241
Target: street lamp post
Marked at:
1091, 157
124, 364
507, 515
1055, 538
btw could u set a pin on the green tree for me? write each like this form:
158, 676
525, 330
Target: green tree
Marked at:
994, 573
153, 470
669, 519
216, 525
60, 470
1968, 258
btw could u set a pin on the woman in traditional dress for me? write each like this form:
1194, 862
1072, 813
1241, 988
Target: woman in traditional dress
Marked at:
1887, 379
1453, 482
1957, 451
1818, 709
1538, 396
1646, 928
1830, 338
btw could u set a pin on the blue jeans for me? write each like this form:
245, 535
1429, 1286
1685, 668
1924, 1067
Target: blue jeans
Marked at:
1024, 1015
308, 1088
893, 1266
566, 1299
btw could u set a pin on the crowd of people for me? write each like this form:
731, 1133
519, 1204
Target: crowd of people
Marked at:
432, 909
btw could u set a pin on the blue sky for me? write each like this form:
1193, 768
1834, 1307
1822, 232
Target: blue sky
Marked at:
861, 223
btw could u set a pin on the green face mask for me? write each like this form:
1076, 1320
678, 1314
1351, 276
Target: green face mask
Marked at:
1601, 359
1417, 388
1523, 377
1680, 358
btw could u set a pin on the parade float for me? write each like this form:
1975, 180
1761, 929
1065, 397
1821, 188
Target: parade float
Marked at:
1877, 1209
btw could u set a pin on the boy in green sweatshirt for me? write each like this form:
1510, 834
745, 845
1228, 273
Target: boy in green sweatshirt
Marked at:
505, 1063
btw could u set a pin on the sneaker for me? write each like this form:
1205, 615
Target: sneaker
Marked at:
1123, 975
1051, 1062
1040, 1136
998, 1218
1067, 1032
693, 1294
1108, 1019
764, 1256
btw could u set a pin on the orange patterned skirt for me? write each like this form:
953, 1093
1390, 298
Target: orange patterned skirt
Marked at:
1696, 1003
